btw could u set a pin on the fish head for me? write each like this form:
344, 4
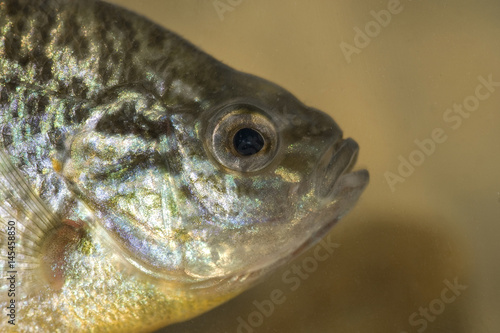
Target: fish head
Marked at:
227, 186
269, 177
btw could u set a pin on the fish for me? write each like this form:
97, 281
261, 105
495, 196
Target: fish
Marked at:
142, 181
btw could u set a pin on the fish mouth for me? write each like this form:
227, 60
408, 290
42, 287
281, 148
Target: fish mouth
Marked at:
337, 186
338, 160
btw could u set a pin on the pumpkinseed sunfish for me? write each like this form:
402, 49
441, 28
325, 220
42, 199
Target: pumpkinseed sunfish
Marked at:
143, 182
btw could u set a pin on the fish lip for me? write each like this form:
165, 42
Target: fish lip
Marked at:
339, 159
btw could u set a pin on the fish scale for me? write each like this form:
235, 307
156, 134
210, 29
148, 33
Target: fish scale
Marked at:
121, 170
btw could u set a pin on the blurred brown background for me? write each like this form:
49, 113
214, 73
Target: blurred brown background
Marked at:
400, 245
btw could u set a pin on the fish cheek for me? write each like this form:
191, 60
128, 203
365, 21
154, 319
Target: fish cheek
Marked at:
61, 242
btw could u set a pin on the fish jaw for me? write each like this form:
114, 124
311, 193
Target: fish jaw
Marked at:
342, 198
337, 188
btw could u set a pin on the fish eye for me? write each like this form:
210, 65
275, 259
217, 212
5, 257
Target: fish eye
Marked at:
248, 141
243, 138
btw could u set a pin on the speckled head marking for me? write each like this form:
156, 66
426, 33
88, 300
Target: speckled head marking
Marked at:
188, 180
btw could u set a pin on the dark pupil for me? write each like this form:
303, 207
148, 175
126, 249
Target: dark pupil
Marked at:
248, 141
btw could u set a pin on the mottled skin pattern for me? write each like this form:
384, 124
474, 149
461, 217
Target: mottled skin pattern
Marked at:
60, 59
110, 120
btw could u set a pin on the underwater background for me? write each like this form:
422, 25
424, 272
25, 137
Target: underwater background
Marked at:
417, 85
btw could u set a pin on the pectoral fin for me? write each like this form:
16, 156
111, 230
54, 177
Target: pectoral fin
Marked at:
33, 240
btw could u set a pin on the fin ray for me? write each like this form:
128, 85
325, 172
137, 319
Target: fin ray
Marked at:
34, 221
